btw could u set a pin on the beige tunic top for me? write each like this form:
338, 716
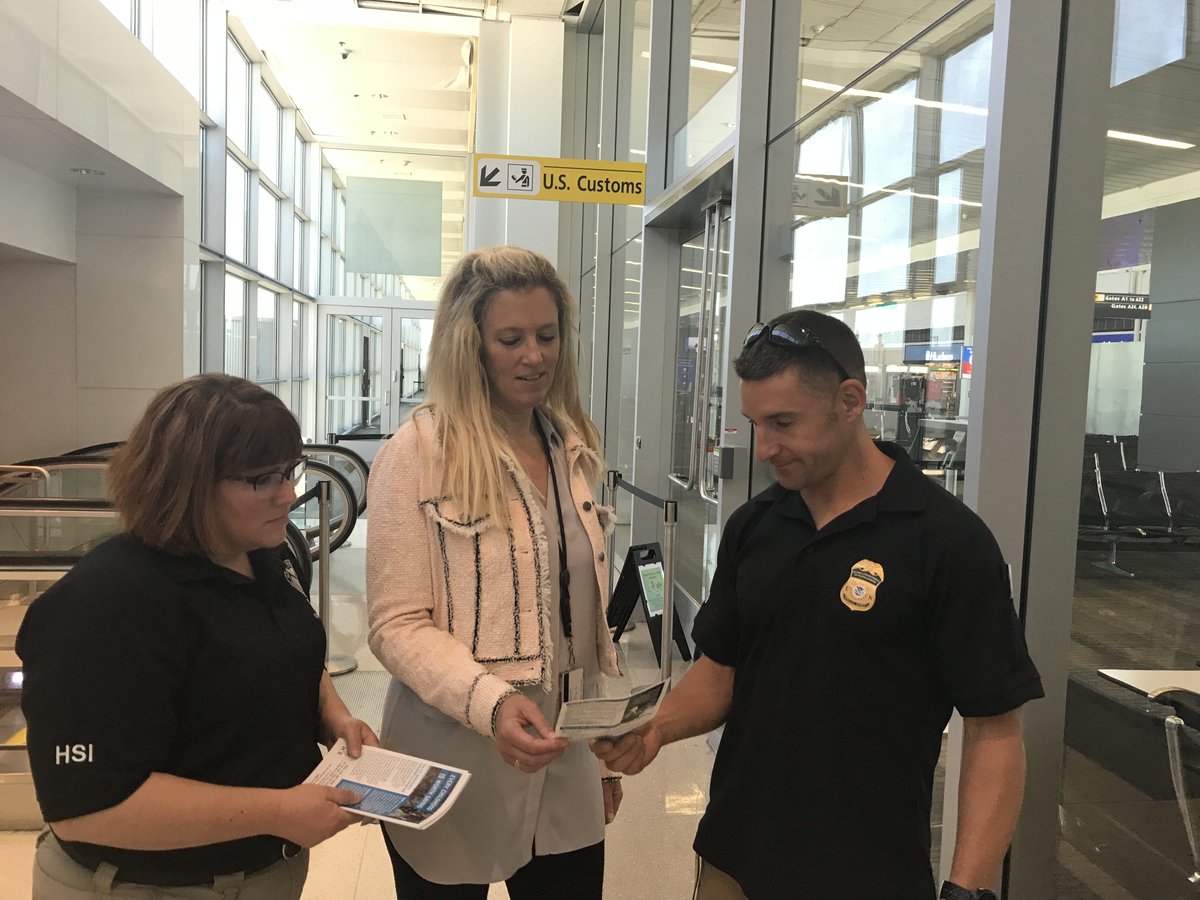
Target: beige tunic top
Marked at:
505, 815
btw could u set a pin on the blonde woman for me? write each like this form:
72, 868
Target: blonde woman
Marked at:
487, 584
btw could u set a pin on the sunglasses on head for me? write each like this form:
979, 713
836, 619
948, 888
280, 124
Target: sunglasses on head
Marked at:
797, 337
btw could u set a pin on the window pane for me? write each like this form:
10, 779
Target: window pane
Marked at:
298, 255
827, 151
266, 115
819, 259
299, 187
237, 96
176, 40
235, 209
122, 9
266, 336
268, 232
714, 39
1149, 35
235, 325
965, 95
339, 236
949, 224
888, 138
884, 248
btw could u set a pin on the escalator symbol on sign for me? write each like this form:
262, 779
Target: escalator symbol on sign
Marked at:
521, 178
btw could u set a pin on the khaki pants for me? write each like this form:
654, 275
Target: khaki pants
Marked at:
713, 884
58, 877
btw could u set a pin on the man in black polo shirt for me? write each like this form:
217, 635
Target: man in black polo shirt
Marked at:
854, 605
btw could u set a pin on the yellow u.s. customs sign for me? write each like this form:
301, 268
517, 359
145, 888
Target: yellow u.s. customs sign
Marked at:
571, 180
858, 593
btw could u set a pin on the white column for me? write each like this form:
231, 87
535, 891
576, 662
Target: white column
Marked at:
519, 112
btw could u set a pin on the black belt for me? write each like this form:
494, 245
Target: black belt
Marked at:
133, 874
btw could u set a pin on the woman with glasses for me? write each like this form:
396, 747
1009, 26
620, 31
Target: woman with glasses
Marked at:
175, 689
487, 586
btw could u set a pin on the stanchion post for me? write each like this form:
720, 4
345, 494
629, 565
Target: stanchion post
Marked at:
667, 643
610, 499
334, 665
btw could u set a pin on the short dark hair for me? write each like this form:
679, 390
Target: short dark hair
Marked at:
764, 359
194, 433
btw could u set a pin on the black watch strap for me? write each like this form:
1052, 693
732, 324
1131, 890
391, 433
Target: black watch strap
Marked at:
952, 891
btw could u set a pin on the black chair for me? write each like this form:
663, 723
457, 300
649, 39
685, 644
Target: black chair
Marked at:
1129, 449
1181, 493
1132, 504
1183, 756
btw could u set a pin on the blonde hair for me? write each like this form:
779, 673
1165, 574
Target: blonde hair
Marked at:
194, 433
459, 392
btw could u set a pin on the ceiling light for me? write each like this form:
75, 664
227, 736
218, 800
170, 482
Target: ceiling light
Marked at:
84, 171
1147, 139
878, 95
713, 66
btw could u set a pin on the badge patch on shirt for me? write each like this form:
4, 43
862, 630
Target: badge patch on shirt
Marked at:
289, 574
858, 593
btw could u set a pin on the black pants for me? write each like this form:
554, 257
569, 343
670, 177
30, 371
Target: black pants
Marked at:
578, 875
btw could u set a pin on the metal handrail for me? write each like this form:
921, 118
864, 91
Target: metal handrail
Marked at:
702, 424
690, 481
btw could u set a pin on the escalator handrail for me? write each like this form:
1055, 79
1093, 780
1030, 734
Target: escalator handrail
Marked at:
341, 526
56, 504
94, 449
355, 460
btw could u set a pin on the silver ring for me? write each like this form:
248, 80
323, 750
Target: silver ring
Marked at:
517, 763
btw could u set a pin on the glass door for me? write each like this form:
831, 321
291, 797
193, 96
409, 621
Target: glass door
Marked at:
699, 397
372, 371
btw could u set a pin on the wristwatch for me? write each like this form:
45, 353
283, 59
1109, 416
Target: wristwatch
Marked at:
952, 891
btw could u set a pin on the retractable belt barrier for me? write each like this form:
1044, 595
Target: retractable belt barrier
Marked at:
613, 483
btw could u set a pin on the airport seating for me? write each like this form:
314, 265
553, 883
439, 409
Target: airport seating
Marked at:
1183, 758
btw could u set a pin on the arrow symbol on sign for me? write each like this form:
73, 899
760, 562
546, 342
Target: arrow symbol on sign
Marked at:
489, 179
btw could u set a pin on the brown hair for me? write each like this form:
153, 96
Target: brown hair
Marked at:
194, 433
458, 384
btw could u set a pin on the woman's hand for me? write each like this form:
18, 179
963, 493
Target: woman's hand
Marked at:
310, 813
528, 752
355, 732
612, 798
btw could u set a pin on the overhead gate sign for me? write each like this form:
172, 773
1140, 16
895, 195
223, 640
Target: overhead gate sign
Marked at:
564, 180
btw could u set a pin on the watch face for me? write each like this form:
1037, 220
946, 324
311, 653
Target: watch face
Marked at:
985, 894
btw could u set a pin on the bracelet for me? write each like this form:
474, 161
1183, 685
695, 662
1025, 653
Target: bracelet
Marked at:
608, 779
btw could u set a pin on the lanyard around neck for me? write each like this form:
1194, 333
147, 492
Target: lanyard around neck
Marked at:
564, 574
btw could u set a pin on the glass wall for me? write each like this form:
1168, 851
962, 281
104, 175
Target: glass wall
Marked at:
627, 291
883, 213
876, 190
1135, 623
713, 41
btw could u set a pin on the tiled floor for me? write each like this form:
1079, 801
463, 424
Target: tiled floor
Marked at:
648, 848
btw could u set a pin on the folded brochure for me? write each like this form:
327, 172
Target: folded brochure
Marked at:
609, 716
394, 787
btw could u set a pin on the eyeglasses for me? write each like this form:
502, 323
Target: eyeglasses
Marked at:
293, 473
795, 337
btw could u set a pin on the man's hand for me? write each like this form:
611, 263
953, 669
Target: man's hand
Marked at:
310, 813
517, 747
631, 752
613, 793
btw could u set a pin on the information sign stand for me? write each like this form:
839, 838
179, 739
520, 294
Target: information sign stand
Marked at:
643, 579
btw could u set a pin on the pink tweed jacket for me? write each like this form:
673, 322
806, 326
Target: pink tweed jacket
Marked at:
459, 609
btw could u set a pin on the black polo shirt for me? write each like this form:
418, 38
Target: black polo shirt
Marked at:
139, 661
851, 645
